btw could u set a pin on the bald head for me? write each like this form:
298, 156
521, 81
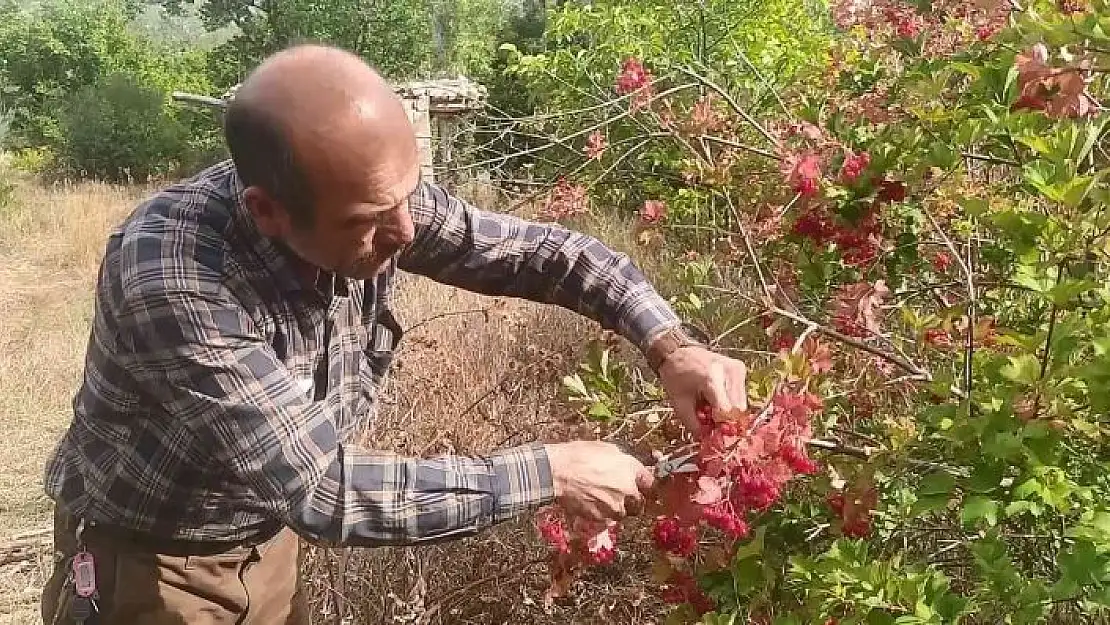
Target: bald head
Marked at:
312, 119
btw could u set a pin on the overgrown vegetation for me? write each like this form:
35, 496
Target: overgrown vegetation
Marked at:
907, 241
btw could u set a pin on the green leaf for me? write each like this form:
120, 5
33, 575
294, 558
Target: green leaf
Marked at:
1096, 528
1094, 130
926, 504
1074, 191
985, 478
600, 410
977, 507
1068, 289
975, 207
752, 548
1035, 142
576, 386
939, 483
1024, 369
1015, 508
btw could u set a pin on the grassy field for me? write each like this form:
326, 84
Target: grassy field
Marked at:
50, 245
473, 373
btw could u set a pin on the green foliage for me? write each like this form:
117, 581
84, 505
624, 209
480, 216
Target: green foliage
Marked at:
402, 38
584, 45
65, 55
118, 130
964, 451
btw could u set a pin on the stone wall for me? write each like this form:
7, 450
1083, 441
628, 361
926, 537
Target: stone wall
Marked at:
443, 100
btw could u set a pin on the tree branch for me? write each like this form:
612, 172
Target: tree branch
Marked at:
731, 102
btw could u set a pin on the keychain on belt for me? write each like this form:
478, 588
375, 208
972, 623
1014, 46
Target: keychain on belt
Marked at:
84, 581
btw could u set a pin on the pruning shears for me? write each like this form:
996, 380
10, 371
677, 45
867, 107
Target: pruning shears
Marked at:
664, 465
675, 463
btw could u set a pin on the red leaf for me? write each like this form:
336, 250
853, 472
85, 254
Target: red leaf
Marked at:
856, 308
653, 211
818, 355
803, 173
595, 145
676, 496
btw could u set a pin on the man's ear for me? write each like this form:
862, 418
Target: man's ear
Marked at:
269, 215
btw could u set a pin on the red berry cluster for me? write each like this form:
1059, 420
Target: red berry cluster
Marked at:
853, 166
854, 507
907, 23
595, 145
938, 337
803, 173
673, 538
591, 542
742, 471
942, 261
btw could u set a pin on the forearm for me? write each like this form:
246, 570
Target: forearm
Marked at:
497, 254
367, 498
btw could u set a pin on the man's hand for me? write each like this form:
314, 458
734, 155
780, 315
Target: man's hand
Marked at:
597, 480
693, 374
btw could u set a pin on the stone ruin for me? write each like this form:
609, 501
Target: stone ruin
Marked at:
435, 108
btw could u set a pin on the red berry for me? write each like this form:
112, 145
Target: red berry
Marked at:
671, 537
723, 517
942, 261
797, 459
554, 532
853, 166
938, 337
754, 489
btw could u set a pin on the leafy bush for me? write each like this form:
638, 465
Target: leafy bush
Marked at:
909, 245
59, 55
119, 130
572, 70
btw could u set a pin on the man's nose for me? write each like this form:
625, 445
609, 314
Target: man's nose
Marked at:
399, 230
405, 229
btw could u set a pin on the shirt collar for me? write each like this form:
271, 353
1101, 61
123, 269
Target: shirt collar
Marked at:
273, 254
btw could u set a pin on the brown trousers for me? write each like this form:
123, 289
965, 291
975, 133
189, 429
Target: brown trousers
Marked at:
243, 585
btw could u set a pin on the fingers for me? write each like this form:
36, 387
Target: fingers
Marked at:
645, 480
716, 389
685, 410
726, 387
738, 385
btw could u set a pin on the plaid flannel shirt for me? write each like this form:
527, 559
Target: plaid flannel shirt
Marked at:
220, 393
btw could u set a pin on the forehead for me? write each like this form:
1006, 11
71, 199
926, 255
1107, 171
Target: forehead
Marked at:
365, 169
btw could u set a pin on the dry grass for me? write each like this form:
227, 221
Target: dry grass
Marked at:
50, 244
473, 374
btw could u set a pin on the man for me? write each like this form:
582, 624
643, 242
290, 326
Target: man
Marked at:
242, 324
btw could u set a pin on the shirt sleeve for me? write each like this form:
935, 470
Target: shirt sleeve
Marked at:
222, 379
498, 254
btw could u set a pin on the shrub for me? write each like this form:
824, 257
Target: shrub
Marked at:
119, 130
910, 250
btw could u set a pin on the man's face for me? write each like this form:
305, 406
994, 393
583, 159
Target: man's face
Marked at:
358, 223
360, 181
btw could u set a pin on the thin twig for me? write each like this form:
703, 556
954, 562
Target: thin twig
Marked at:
731, 102
452, 313
897, 361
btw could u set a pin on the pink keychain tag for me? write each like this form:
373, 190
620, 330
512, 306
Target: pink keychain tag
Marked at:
84, 574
